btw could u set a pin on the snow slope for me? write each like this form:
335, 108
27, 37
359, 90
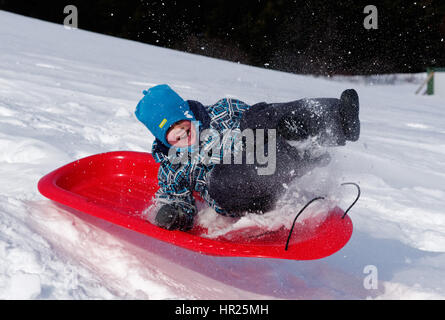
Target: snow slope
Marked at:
66, 94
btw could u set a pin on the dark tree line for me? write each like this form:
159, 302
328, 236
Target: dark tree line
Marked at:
312, 36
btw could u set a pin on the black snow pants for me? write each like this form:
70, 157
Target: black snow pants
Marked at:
238, 188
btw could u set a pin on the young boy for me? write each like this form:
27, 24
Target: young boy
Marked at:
235, 188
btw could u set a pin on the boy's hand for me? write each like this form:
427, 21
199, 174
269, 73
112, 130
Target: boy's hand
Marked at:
171, 218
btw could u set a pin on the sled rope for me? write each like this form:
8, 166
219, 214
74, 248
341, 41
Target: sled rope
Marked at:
320, 198
356, 199
296, 217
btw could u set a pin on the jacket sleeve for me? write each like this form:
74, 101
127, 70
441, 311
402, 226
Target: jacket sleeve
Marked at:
228, 112
174, 182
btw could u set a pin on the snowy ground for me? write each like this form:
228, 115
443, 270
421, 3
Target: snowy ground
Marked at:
66, 94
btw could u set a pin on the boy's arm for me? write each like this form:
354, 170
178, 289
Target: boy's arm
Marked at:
174, 188
228, 112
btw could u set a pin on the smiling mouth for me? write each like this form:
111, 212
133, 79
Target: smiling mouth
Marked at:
185, 135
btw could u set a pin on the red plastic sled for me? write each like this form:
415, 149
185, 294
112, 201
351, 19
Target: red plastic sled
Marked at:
118, 186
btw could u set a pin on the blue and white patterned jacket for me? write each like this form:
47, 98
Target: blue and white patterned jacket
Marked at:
177, 181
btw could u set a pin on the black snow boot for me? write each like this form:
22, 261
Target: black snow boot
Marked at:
349, 110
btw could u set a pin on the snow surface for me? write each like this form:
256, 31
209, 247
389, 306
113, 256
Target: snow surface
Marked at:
66, 94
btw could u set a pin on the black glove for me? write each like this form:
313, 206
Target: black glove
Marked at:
172, 218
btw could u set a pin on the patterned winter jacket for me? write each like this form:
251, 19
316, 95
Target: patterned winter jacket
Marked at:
177, 181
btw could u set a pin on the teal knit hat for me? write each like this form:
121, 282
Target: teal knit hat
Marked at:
160, 108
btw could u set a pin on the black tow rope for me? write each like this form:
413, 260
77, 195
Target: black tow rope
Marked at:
321, 198
296, 217
356, 199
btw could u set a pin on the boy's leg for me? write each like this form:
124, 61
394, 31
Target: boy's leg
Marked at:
333, 121
238, 188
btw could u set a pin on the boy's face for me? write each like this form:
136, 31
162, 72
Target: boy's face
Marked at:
181, 134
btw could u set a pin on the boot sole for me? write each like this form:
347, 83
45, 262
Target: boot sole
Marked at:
349, 112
